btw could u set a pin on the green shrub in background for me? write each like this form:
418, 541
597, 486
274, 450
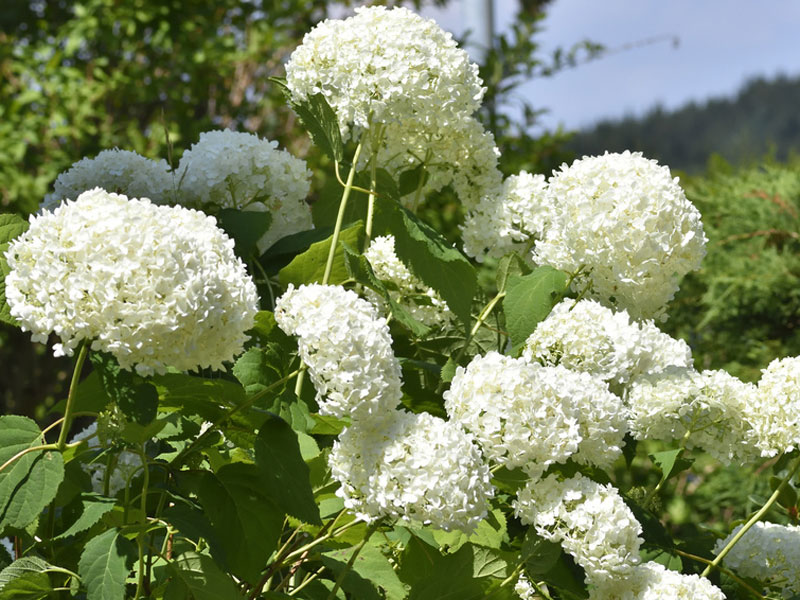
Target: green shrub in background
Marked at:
743, 307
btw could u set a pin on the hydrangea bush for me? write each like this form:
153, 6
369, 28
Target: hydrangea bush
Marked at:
260, 409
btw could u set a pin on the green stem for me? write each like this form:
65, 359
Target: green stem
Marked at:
754, 519
348, 186
22, 453
373, 186
140, 538
76, 375
727, 572
372, 529
420, 185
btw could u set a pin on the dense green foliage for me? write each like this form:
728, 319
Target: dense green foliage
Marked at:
761, 119
740, 310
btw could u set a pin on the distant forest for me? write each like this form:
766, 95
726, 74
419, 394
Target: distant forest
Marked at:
763, 119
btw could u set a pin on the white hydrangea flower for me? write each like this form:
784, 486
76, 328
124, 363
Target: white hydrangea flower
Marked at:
509, 218
529, 416
119, 171
767, 552
524, 589
589, 520
626, 223
229, 169
711, 408
587, 336
155, 286
383, 66
461, 154
424, 303
414, 467
652, 581
775, 409
346, 346
125, 463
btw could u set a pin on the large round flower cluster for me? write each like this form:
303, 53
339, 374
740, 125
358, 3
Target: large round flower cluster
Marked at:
529, 416
767, 552
385, 65
229, 169
652, 581
711, 410
415, 467
347, 347
589, 520
776, 407
587, 336
424, 303
119, 171
507, 218
155, 286
625, 223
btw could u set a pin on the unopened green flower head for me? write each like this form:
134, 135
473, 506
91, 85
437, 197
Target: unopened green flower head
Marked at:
155, 286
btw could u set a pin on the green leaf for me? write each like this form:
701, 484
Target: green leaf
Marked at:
258, 368
246, 521
319, 119
24, 578
429, 256
373, 567
284, 472
197, 577
671, 462
104, 565
489, 533
451, 578
245, 227
309, 267
327, 425
529, 299
27, 586
197, 396
94, 506
538, 554
11, 227
29, 483
412, 179
136, 398
510, 264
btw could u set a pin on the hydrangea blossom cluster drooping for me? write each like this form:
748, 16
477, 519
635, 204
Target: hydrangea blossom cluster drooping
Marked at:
589, 520
424, 303
769, 553
125, 463
712, 409
119, 171
587, 336
507, 218
652, 581
416, 467
627, 224
776, 407
384, 66
155, 286
347, 347
529, 416
228, 169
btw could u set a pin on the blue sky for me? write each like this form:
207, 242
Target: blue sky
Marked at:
721, 44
